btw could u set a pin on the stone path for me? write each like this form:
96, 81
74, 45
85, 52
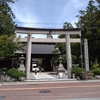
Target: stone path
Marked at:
42, 76
46, 76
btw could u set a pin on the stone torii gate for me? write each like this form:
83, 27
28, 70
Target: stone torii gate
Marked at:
29, 40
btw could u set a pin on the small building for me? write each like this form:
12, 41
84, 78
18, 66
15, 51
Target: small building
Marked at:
40, 51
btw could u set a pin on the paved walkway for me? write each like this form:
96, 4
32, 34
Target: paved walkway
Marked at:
43, 76
48, 76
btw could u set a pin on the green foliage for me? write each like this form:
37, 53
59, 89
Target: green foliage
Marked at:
55, 60
61, 47
61, 36
75, 51
91, 74
89, 21
8, 45
95, 64
39, 62
22, 74
6, 25
56, 51
96, 68
8, 41
98, 1
5, 8
64, 61
67, 25
6, 18
77, 70
13, 72
96, 71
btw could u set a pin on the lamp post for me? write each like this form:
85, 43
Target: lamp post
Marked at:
81, 50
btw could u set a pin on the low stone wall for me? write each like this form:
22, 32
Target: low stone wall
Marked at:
2, 76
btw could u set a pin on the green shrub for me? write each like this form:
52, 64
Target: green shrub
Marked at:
96, 71
15, 73
22, 74
77, 70
90, 74
95, 64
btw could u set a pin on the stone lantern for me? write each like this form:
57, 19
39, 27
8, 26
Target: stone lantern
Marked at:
61, 69
21, 67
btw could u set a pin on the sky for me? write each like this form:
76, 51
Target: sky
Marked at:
47, 13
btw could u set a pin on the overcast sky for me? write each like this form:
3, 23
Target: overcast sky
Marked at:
47, 13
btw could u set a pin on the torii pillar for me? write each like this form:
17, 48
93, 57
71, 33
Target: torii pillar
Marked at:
28, 56
68, 55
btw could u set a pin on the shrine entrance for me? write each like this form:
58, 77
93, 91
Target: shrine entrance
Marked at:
41, 56
48, 32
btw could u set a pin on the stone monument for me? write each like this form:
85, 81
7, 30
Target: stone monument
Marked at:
86, 56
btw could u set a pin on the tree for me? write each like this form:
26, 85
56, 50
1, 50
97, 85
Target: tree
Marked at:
8, 45
67, 25
98, 1
89, 21
6, 18
8, 41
